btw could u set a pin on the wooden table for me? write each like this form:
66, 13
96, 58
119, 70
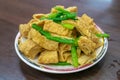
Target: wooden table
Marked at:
106, 14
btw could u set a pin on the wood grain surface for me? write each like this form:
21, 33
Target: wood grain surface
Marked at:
106, 14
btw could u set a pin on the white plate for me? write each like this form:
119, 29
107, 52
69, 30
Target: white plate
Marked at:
60, 69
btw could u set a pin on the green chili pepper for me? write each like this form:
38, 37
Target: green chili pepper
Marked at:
66, 25
39, 28
76, 41
62, 14
43, 18
69, 15
61, 10
52, 15
54, 38
103, 35
62, 40
74, 56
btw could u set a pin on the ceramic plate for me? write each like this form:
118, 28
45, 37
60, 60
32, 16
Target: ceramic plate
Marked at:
60, 69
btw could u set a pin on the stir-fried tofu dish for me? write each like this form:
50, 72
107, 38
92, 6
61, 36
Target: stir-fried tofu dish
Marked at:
60, 38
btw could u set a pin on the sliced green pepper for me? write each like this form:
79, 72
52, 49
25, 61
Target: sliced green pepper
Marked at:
66, 25
74, 56
54, 38
62, 14
61, 10
103, 35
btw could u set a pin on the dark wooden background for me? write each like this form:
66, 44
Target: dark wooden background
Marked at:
106, 14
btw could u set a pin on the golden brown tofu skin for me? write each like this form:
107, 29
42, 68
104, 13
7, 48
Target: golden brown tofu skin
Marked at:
47, 57
29, 48
86, 45
97, 41
42, 40
87, 19
24, 29
86, 59
38, 16
73, 22
55, 28
53, 10
36, 21
83, 27
72, 9
64, 52
86, 26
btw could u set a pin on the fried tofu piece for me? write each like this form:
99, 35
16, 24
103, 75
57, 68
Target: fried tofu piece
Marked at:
99, 42
83, 27
93, 29
69, 22
86, 45
42, 40
87, 19
33, 21
47, 57
36, 21
29, 48
38, 16
64, 52
72, 9
53, 10
24, 29
55, 28
85, 59
86, 26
